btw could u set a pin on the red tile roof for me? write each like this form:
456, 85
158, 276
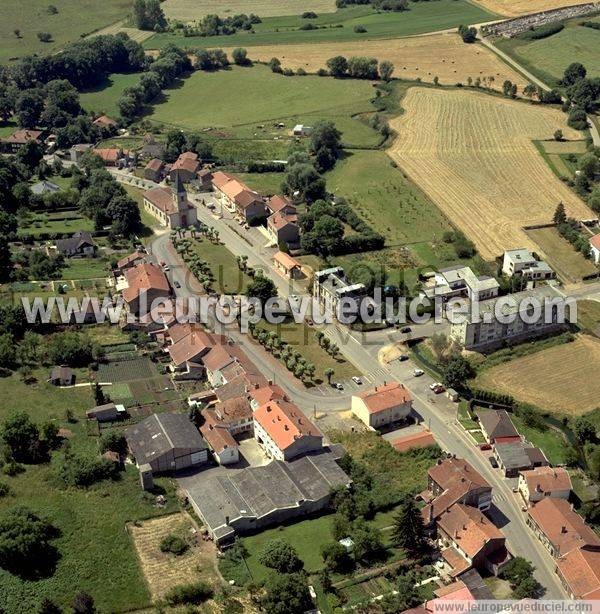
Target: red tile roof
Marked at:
281, 219
155, 164
130, 259
563, 527
104, 121
191, 347
581, 570
277, 203
468, 528
284, 423
187, 161
286, 260
547, 479
233, 410
109, 155
20, 137
146, 277
264, 394
246, 198
417, 440
217, 435
595, 241
219, 179
218, 358
382, 398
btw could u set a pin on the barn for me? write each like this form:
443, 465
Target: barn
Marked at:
166, 442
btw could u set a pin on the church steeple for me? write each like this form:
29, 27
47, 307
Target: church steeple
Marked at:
179, 193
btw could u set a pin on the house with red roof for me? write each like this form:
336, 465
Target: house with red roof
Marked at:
287, 266
579, 572
536, 484
145, 283
12, 143
284, 432
283, 228
153, 171
185, 167
382, 405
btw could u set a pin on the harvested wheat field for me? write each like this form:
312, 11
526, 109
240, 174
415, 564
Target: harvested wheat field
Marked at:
139, 36
563, 379
191, 10
425, 57
514, 8
473, 155
164, 570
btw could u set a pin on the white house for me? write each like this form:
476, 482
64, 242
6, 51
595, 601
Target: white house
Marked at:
595, 247
523, 263
536, 484
382, 405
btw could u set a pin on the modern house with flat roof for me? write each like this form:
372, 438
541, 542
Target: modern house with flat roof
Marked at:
460, 282
523, 263
330, 286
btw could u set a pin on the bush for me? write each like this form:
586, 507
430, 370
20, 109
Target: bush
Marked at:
541, 32
84, 471
195, 593
360, 29
173, 544
4, 489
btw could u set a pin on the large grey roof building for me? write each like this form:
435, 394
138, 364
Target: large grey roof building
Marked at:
244, 501
166, 442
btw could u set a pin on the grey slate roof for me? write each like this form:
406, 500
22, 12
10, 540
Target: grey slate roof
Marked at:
73, 243
44, 187
161, 433
519, 455
256, 492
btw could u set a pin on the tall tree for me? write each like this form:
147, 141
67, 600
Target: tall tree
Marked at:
408, 531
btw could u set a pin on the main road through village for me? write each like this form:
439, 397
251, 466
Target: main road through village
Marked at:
438, 413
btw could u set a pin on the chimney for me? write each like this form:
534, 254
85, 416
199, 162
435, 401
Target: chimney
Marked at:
227, 520
430, 514
563, 529
455, 534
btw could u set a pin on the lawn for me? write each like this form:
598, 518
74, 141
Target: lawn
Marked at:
265, 183
73, 20
422, 17
302, 338
549, 441
229, 279
227, 150
548, 57
84, 268
148, 221
465, 418
204, 101
569, 264
60, 222
588, 316
558, 155
104, 97
388, 201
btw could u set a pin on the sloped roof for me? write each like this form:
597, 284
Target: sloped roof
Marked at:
286, 260
130, 258
23, 136
285, 423
383, 398
417, 440
264, 394
469, 528
145, 276
155, 164
191, 346
79, 239
497, 423
277, 203
161, 433
547, 479
581, 570
595, 241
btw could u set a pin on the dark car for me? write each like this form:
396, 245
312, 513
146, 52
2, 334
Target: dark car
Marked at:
406, 329
177, 284
403, 357
493, 462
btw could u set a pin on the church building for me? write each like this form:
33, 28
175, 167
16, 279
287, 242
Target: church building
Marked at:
170, 206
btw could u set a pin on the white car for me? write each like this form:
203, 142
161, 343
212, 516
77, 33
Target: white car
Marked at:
418, 372
435, 385
357, 380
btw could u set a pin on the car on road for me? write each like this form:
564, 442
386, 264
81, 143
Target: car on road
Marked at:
493, 462
177, 284
403, 357
166, 268
485, 446
339, 386
357, 380
418, 372
438, 388
293, 297
406, 329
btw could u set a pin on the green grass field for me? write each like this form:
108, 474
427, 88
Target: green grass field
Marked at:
229, 279
204, 100
548, 440
548, 57
73, 20
385, 199
84, 268
59, 222
265, 183
104, 98
422, 17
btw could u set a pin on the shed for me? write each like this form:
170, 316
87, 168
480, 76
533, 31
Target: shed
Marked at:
106, 413
166, 442
452, 395
61, 376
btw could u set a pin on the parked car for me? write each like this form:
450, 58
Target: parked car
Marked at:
439, 388
403, 357
493, 462
357, 380
406, 329
418, 372
485, 446
177, 284
339, 386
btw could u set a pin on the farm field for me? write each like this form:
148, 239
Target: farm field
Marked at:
548, 57
561, 379
422, 17
568, 263
204, 100
191, 10
104, 98
473, 155
588, 316
73, 20
439, 55
385, 199
514, 8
